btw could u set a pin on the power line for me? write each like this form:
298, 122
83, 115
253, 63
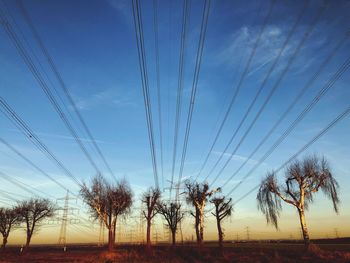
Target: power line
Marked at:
155, 25
38, 77
185, 18
345, 66
62, 83
144, 79
294, 102
339, 118
306, 146
31, 190
8, 196
204, 25
32, 164
16, 182
170, 59
24, 128
16, 26
12, 193
272, 91
238, 87
262, 86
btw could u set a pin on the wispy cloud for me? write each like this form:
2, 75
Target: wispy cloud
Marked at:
108, 97
244, 39
237, 158
121, 6
60, 136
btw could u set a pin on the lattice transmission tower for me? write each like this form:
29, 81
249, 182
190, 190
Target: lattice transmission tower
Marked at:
62, 240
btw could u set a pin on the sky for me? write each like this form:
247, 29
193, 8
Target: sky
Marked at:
93, 45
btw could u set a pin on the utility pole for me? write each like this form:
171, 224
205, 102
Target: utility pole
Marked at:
166, 231
336, 232
120, 232
156, 236
248, 232
130, 235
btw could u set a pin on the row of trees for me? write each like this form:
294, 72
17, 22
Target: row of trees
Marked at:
107, 202
302, 180
30, 213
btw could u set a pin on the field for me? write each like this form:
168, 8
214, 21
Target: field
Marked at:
232, 252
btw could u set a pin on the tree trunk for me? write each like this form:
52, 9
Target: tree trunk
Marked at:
304, 228
29, 234
196, 225
218, 223
29, 237
110, 238
114, 231
173, 235
201, 226
4, 242
197, 233
148, 233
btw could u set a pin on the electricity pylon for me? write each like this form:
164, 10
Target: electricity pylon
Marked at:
63, 232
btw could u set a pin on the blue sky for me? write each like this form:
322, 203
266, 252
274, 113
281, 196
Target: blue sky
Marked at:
93, 45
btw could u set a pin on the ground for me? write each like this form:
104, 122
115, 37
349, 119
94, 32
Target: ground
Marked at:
239, 252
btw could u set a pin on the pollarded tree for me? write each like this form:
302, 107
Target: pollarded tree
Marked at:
8, 218
223, 208
32, 212
107, 202
150, 198
197, 196
303, 180
173, 216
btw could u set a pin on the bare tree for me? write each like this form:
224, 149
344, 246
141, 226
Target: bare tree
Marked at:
303, 180
107, 202
32, 212
8, 218
173, 215
197, 196
150, 198
223, 208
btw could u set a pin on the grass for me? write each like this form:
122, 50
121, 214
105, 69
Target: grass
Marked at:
232, 252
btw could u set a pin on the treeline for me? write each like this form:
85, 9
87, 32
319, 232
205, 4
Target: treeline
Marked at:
303, 179
108, 202
28, 213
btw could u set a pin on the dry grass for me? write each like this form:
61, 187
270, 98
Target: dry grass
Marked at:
249, 253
